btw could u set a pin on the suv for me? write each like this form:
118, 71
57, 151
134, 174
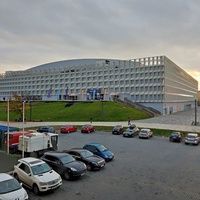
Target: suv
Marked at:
92, 161
117, 130
10, 188
65, 164
36, 175
46, 129
192, 138
132, 131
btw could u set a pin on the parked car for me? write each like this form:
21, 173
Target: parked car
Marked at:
99, 150
65, 164
36, 175
92, 161
10, 188
145, 133
68, 128
117, 130
192, 138
87, 128
132, 131
175, 137
46, 129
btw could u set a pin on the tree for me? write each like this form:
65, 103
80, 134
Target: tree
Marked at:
16, 105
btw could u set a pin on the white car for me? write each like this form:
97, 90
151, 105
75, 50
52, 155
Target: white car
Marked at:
145, 133
37, 175
192, 138
10, 188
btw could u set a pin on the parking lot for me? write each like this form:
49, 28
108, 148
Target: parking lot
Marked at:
142, 169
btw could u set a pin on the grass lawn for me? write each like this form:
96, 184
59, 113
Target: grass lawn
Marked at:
79, 111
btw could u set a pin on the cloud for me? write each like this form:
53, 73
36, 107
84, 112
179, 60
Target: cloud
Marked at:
37, 32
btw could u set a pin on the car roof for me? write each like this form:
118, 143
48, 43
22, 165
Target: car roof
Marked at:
78, 149
94, 144
56, 154
194, 134
175, 132
5, 176
145, 129
31, 161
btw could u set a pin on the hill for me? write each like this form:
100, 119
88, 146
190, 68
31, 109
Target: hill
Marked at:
76, 111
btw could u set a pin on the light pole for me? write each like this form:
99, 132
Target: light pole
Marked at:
195, 114
8, 126
102, 110
23, 130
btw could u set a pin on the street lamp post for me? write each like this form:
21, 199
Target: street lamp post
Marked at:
8, 125
195, 114
102, 110
23, 130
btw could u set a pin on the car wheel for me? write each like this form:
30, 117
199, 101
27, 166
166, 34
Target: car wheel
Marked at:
66, 175
89, 167
170, 140
36, 190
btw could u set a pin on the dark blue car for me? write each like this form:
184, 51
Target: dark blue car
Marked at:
100, 150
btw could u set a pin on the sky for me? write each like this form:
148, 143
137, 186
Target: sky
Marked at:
35, 32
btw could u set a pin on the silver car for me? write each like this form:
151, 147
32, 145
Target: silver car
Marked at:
145, 133
132, 131
192, 138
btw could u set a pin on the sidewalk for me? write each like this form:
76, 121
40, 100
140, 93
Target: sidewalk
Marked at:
176, 121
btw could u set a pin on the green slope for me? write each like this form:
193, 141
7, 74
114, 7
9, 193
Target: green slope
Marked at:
79, 111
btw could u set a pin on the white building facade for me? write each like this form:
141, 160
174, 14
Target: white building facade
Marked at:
154, 82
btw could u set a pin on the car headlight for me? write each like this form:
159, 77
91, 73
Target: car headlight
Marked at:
73, 169
94, 163
106, 156
25, 195
42, 183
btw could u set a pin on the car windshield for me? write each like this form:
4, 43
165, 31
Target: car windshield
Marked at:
85, 126
40, 169
143, 131
86, 154
117, 126
191, 136
175, 134
67, 159
102, 148
129, 130
9, 186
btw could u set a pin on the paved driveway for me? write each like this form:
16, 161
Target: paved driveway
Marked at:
143, 169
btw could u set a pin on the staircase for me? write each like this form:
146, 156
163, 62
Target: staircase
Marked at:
151, 111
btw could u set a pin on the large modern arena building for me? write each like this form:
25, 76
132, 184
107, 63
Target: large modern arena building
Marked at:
155, 82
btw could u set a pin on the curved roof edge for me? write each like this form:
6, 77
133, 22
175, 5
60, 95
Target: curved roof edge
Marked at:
65, 63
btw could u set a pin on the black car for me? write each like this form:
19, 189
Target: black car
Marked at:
175, 137
117, 130
64, 164
92, 161
46, 129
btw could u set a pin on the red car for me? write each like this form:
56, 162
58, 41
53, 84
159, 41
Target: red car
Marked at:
87, 128
68, 128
